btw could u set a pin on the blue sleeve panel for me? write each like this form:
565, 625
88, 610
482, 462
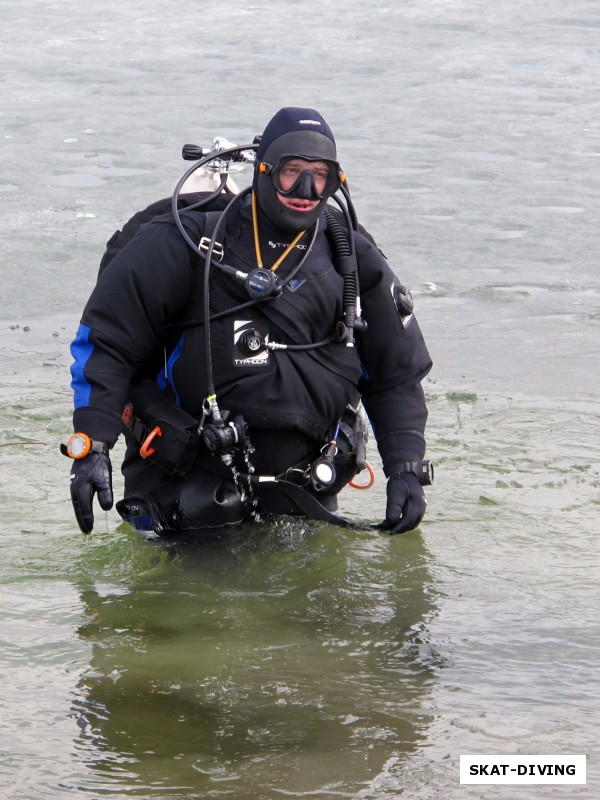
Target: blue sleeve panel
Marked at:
97, 403
81, 350
165, 379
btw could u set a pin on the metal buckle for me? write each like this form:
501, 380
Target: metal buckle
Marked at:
296, 475
218, 250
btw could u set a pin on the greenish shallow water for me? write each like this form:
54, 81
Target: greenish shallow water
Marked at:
292, 659
289, 659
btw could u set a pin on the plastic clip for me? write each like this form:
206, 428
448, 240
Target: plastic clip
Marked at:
145, 449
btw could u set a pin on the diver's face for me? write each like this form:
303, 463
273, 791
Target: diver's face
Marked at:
292, 189
289, 173
291, 170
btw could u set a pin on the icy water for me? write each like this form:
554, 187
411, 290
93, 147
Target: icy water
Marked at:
291, 659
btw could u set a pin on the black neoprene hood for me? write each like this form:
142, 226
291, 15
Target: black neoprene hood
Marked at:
300, 132
298, 121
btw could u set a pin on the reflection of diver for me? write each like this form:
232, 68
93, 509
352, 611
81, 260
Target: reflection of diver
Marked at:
238, 364
278, 658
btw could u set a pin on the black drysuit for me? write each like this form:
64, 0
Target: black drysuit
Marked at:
145, 318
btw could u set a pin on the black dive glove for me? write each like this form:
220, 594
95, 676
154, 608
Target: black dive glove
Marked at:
406, 502
91, 474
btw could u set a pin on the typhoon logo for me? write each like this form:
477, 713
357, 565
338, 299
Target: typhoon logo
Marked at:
249, 345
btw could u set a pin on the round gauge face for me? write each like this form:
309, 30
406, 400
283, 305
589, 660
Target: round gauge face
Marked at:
79, 445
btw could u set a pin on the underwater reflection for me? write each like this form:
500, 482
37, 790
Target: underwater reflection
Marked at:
285, 657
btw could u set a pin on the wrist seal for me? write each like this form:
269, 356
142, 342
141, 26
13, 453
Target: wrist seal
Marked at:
422, 469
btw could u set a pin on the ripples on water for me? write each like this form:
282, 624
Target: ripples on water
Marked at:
294, 660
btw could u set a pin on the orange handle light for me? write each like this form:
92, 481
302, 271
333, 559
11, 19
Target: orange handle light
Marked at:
145, 449
364, 485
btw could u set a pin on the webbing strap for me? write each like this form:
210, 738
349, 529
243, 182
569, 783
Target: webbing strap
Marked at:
309, 505
212, 220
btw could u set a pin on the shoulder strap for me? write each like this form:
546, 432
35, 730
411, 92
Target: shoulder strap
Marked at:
121, 237
212, 220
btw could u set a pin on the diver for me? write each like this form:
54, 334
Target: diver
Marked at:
239, 356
